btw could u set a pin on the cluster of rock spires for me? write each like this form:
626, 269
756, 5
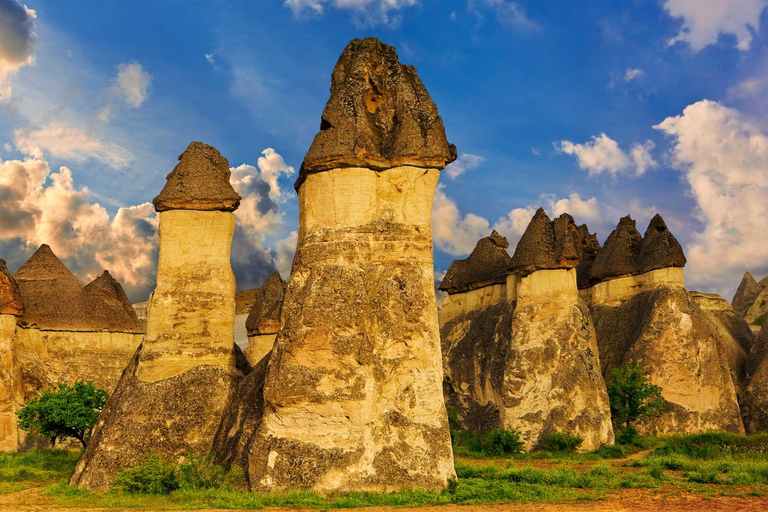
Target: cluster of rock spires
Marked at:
53, 330
346, 375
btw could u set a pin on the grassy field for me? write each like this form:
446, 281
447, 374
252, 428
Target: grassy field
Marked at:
709, 464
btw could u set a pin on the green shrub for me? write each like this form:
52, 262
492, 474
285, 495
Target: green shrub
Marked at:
152, 475
561, 442
500, 442
633, 398
628, 436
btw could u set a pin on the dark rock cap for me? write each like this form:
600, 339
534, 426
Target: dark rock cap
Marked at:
110, 307
746, 294
660, 249
264, 317
10, 296
200, 181
547, 244
589, 249
379, 116
619, 254
488, 264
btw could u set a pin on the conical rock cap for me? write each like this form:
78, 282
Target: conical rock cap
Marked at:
110, 307
547, 245
489, 263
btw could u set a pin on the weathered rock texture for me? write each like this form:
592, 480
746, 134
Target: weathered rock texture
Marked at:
746, 293
352, 397
691, 345
589, 249
523, 354
757, 313
488, 264
170, 398
379, 116
264, 318
11, 306
64, 333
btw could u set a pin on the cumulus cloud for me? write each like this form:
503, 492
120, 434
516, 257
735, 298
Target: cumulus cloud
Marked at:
603, 154
131, 88
38, 206
69, 143
724, 159
17, 41
465, 162
364, 12
703, 22
582, 210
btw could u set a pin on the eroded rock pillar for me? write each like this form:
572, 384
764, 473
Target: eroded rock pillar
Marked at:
10, 383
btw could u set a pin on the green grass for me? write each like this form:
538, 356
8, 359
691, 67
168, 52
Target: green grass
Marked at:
19, 471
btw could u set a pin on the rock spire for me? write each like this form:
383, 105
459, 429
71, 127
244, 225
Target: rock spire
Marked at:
547, 244
489, 263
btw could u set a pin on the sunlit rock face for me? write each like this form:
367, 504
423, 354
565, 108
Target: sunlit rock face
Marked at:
61, 332
685, 343
170, 397
522, 354
263, 320
351, 398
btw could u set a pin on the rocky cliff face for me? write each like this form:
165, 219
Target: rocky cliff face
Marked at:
536, 325
746, 293
263, 320
170, 398
352, 390
11, 306
755, 404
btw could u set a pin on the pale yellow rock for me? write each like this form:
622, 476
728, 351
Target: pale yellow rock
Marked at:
10, 392
615, 290
190, 315
540, 285
259, 345
462, 303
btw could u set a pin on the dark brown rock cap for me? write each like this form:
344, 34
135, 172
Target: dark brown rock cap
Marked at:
547, 245
10, 296
660, 249
110, 307
619, 254
590, 247
264, 317
488, 264
379, 116
200, 181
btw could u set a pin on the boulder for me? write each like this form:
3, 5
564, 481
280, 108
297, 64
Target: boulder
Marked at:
170, 398
351, 397
619, 254
746, 293
489, 263
547, 245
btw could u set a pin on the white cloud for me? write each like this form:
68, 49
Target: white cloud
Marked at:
508, 13
724, 159
209, 58
633, 74
603, 154
364, 12
132, 84
284, 251
271, 166
465, 162
17, 41
704, 21
69, 143
452, 232
37, 206
580, 209
513, 225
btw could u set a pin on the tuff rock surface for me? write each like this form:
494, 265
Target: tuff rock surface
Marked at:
660, 249
746, 293
351, 395
618, 257
170, 399
263, 320
589, 249
489, 263
11, 306
547, 244
379, 116
10, 296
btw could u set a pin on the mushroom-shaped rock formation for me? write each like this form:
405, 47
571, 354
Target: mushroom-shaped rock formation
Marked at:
589, 249
659, 249
110, 306
379, 116
353, 390
618, 257
10, 296
489, 263
547, 245
746, 293
200, 181
263, 321
171, 396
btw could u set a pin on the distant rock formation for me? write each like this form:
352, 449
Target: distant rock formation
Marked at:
351, 393
264, 318
495, 338
746, 293
60, 332
757, 312
691, 347
171, 396
488, 264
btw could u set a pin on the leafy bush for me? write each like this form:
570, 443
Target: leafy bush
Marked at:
499, 442
561, 442
70, 411
628, 436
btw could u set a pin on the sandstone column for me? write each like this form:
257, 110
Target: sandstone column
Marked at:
352, 399
170, 398
11, 307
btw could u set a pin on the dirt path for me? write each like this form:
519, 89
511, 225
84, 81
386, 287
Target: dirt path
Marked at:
31, 500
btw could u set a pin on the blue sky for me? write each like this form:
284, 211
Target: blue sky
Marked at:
551, 104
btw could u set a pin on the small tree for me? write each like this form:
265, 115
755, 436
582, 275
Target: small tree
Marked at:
69, 411
633, 398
